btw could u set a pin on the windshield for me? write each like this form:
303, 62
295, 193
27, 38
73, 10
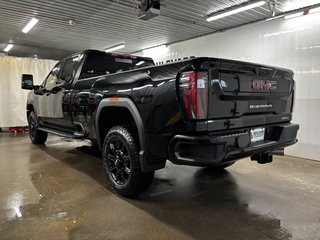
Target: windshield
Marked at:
100, 63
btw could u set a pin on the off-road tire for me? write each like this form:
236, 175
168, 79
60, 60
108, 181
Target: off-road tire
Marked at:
36, 136
120, 156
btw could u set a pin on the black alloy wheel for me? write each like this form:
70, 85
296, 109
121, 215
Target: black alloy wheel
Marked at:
121, 162
32, 126
36, 136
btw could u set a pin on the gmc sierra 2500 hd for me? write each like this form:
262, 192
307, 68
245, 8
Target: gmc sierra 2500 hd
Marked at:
200, 111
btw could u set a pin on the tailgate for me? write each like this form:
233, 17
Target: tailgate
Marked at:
244, 89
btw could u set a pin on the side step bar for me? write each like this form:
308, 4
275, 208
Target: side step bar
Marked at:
76, 135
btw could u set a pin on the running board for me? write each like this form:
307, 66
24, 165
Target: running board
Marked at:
76, 135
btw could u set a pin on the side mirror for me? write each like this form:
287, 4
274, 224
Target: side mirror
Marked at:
27, 82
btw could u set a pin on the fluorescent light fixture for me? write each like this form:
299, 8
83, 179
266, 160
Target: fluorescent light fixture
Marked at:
294, 15
298, 4
8, 47
235, 10
30, 25
274, 18
115, 47
140, 63
154, 50
314, 10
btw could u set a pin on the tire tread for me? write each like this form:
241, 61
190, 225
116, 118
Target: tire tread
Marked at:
138, 180
40, 136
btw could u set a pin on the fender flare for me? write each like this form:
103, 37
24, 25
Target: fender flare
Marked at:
144, 156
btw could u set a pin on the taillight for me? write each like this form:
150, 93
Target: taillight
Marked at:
194, 93
293, 95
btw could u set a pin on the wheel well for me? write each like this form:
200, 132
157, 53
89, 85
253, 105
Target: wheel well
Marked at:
115, 116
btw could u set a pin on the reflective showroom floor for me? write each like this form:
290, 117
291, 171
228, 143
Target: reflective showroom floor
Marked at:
58, 191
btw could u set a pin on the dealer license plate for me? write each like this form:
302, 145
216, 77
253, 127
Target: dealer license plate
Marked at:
257, 134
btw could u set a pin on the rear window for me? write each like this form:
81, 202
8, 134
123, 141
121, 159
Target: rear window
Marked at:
99, 63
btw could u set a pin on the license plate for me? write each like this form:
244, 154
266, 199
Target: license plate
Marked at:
257, 134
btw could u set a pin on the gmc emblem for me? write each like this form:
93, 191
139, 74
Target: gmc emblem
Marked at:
262, 84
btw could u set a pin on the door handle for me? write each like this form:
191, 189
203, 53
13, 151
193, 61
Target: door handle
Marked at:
56, 89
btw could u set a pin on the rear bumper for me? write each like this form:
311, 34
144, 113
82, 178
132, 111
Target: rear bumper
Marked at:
215, 149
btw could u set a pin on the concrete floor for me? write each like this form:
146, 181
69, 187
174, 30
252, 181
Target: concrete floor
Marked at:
58, 191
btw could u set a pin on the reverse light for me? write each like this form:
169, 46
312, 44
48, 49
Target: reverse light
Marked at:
236, 10
194, 93
30, 25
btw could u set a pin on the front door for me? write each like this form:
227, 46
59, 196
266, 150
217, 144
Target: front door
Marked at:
60, 96
44, 109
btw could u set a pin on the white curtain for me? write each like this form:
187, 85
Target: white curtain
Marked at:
12, 97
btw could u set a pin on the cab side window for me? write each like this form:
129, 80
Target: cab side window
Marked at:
53, 77
69, 69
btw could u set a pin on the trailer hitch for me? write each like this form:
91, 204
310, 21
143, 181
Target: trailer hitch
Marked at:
262, 158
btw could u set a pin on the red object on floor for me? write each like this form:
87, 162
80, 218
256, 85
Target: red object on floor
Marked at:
18, 129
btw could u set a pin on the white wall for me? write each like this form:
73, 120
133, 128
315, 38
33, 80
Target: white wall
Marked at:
293, 44
12, 97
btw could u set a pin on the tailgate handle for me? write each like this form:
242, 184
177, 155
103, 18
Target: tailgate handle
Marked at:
228, 123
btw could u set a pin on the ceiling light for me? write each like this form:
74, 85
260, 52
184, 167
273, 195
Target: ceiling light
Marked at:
294, 15
298, 4
154, 49
30, 25
235, 10
115, 48
274, 18
8, 47
314, 10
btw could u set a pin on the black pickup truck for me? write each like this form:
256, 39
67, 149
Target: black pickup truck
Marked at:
205, 112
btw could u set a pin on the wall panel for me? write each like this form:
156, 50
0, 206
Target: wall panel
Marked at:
293, 44
12, 97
